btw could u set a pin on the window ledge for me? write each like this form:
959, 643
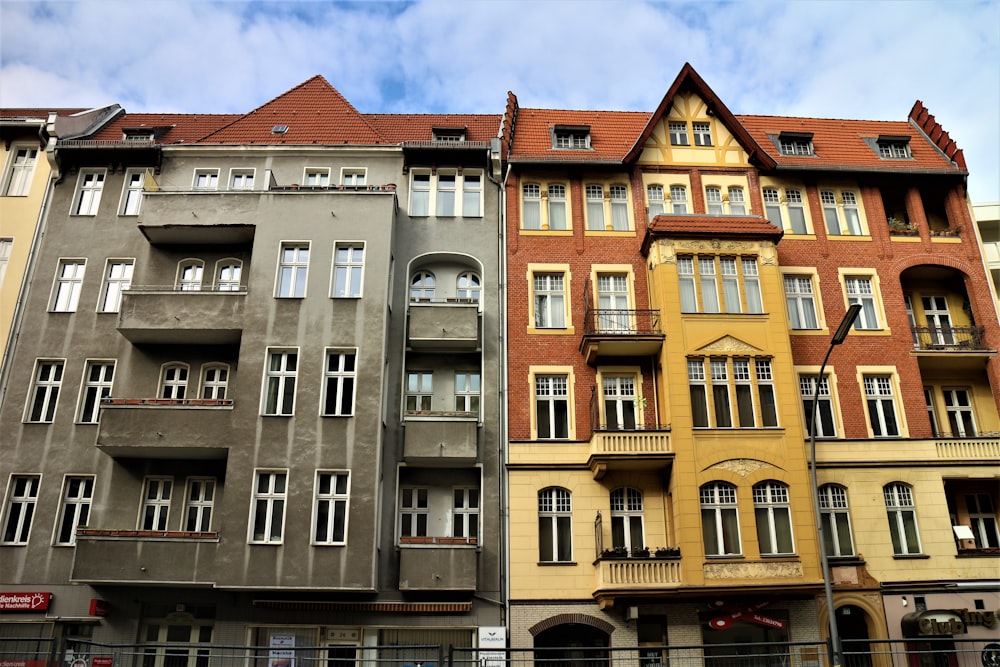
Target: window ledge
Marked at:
845, 561
722, 557
910, 557
547, 563
978, 553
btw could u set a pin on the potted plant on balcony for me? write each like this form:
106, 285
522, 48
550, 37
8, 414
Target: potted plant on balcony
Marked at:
668, 552
900, 228
615, 553
640, 552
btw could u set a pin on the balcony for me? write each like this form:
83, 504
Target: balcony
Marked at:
167, 315
199, 218
635, 576
427, 564
451, 325
143, 557
152, 428
440, 439
983, 449
621, 333
951, 348
630, 450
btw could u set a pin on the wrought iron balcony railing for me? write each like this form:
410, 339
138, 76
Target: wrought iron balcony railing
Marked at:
949, 338
622, 322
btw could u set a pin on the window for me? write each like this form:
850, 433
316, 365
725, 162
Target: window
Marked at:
467, 287
422, 286
117, 278
156, 503
97, 381
467, 388
619, 208
751, 285
826, 426
354, 177
713, 200
737, 201
88, 195
214, 381
793, 206
959, 409
420, 193
173, 381
330, 509
654, 201
678, 134
720, 525
860, 290
552, 406
472, 194
190, 273
983, 520
6, 245
678, 200
595, 207
228, 273
842, 217
419, 391
795, 144
69, 282
77, 494
206, 179
338, 383
199, 504
20, 169
132, 192
550, 301
448, 135
614, 311
413, 511
619, 402
293, 266
893, 148
45, 392
751, 382
801, 303
881, 406
348, 269
21, 498
317, 178
268, 507
241, 179
938, 318
931, 414
774, 518
741, 290
626, 519
531, 205
836, 521
557, 206
446, 193
702, 134
902, 515
576, 138
555, 526
279, 383
465, 513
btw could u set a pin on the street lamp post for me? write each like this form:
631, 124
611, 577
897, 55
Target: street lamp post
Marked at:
838, 338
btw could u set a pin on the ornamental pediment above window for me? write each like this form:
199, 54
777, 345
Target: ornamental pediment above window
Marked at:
728, 345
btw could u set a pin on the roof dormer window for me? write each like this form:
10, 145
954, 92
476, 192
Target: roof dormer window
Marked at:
574, 138
893, 148
449, 134
141, 135
279, 129
795, 143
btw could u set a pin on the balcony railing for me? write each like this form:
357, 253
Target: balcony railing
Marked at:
959, 339
630, 450
632, 575
619, 322
144, 556
169, 315
152, 428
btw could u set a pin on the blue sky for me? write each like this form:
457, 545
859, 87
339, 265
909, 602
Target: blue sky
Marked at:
842, 59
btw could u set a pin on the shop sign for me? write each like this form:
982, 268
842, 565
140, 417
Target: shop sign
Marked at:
946, 621
282, 651
102, 661
492, 646
748, 614
99, 607
16, 601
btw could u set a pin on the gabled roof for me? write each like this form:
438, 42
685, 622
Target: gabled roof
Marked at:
397, 128
168, 128
611, 135
313, 112
689, 79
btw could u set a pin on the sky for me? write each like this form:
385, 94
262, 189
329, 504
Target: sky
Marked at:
867, 59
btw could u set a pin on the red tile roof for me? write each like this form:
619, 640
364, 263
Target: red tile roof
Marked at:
612, 134
43, 113
397, 128
180, 128
708, 225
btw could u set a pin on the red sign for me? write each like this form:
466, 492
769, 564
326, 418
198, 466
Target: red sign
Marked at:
102, 661
744, 614
10, 601
99, 607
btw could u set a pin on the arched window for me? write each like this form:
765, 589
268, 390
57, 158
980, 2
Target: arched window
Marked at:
468, 286
626, 519
227, 275
774, 518
189, 275
214, 380
173, 381
720, 524
422, 286
555, 526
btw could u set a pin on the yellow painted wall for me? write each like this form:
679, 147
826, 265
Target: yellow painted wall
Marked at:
689, 107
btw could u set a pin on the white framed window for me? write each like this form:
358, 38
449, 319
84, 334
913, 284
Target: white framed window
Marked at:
773, 515
241, 179
279, 383
330, 507
472, 194
654, 200
880, 397
627, 519
214, 381
983, 520
747, 382
619, 208
206, 179
576, 138
737, 201
861, 290
613, 302
422, 286
269, 495
702, 133
339, 383
958, 407
931, 412
713, 200
619, 395
720, 523
552, 407
22, 495
228, 273
45, 391
468, 287
413, 511
678, 133
836, 518
801, 302
316, 178
893, 149
354, 177
293, 268
348, 270
465, 513
6, 246
78, 492
117, 278
558, 219
826, 424
420, 193
789, 208
132, 192
902, 515
190, 273
419, 391
98, 378
467, 390
595, 207
841, 212
174, 381
88, 192
20, 168
555, 526
155, 510
678, 200
531, 206
198, 504
709, 283
791, 144
68, 284
549, 300
445, 194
